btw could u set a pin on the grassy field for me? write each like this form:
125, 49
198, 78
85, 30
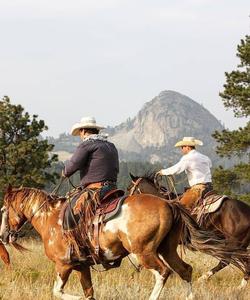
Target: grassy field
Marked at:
32, 277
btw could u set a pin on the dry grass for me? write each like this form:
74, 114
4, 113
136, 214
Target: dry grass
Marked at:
32, 276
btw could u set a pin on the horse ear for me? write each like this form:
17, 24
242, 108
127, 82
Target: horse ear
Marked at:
132, 176
8, 189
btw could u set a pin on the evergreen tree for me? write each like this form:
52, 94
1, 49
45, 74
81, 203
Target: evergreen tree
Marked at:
236, 143
25, 158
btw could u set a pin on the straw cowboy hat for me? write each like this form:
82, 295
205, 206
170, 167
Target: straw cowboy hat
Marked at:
86, 122
189, 141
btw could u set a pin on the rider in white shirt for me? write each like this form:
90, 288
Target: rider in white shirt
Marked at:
196, 166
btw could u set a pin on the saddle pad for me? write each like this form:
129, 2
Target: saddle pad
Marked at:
213, 203
109, 210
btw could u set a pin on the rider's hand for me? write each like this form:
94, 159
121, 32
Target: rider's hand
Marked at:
63, 174
159, 173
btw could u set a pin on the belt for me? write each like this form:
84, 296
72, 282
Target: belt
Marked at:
98, 185
203, 183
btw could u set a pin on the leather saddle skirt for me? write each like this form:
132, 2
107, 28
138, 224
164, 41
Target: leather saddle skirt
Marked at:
210, 203
73, 210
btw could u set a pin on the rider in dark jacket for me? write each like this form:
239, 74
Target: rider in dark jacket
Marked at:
95, 158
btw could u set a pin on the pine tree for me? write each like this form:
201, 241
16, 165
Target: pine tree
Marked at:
236, 143
25, 158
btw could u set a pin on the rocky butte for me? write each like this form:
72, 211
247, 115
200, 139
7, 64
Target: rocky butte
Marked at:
153, 132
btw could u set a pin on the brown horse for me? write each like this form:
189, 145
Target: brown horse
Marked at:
147, 227
232, 220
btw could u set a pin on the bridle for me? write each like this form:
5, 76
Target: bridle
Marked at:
165, 194
135, 186
11, 233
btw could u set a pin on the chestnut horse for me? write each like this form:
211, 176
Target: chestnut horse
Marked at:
147, 227
232, 220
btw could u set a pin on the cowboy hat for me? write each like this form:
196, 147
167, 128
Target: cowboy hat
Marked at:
86, 122
189, 141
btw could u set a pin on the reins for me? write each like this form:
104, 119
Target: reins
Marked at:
28, 220
57, 187
135, 186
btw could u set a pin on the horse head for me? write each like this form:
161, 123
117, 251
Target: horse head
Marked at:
150, 184
13, 217
145, 184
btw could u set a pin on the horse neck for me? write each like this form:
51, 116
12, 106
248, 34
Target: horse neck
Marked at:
148, 188
36, 208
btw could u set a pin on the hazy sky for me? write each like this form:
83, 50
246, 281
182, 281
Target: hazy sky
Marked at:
64, 59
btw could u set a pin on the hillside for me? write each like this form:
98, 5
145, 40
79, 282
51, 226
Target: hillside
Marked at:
152, 133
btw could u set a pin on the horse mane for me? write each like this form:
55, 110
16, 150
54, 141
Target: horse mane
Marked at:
149, 176
28, 192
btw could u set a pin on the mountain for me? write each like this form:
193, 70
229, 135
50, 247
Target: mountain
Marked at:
153, 132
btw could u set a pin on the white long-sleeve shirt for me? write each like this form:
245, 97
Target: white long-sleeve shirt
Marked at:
196, 166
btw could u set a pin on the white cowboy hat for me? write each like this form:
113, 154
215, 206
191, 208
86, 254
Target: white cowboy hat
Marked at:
86, 122
189, 141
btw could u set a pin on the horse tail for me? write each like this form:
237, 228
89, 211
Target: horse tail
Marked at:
207, 241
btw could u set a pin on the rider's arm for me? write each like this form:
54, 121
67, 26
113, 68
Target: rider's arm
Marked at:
175, 169
77, 161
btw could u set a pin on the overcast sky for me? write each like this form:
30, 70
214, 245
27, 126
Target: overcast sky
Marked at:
64, 59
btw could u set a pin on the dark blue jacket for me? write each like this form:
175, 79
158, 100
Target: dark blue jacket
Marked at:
97, 161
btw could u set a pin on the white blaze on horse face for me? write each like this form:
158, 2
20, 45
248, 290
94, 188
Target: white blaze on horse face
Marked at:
4, 224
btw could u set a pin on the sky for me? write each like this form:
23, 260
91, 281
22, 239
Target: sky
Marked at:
64, 60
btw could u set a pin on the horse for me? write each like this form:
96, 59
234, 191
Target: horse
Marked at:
147, 227
4, 255
232, 220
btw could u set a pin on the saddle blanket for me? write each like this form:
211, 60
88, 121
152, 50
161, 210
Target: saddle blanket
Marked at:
212, 202
209, 204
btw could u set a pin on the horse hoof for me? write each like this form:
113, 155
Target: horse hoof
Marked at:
242, 285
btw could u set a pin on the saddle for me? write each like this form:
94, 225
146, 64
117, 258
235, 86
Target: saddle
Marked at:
209, 203
82, 216
73, 210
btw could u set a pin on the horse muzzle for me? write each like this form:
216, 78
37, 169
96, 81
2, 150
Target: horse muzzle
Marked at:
9, 237
5, 237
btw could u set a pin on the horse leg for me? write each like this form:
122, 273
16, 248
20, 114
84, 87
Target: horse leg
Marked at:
168, 250
221, 265
246, 277
183, 269
63, 273
4, 255
161, 272
86, 282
